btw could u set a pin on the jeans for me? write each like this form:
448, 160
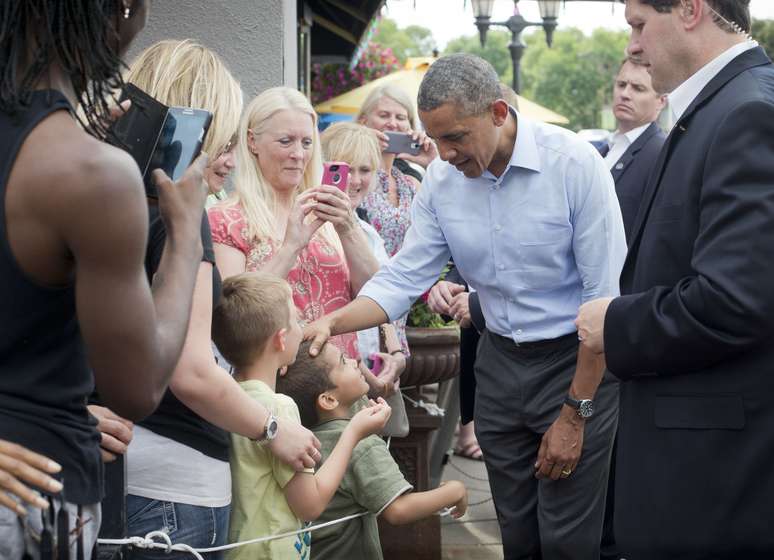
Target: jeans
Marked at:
196, 526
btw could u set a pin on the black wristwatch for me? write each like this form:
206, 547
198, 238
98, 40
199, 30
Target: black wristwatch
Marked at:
584, 407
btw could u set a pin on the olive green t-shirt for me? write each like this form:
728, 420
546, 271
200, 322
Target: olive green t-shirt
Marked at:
371, 483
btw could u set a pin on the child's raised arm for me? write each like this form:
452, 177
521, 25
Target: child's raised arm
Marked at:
418, 505
308, 495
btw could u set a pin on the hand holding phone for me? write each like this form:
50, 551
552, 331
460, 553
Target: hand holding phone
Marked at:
336, 174
402, 143
159, 137
375, 364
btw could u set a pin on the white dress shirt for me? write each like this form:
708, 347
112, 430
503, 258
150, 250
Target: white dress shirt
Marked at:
536, 242
684, 94
620, 142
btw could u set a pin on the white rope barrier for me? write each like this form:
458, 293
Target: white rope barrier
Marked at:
147, 541
430, 407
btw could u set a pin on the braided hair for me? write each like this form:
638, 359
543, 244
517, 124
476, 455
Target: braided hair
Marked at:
80, 35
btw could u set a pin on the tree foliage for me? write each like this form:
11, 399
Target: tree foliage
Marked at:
495, 52
575, 76
413, 40
763, 32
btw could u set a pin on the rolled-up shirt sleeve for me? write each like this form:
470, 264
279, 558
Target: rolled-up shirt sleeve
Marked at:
415, 268
599, 241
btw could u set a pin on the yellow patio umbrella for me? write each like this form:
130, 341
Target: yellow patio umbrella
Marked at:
409, 79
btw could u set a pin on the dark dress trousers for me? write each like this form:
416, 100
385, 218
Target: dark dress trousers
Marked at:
631, 172
692, 336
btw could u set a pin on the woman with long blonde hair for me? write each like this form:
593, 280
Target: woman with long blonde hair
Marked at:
177, 468
281, 220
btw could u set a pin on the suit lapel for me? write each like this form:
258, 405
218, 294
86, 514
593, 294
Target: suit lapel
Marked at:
746, 60
628, 156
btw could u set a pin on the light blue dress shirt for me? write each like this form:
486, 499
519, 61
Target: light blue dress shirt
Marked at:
536, 242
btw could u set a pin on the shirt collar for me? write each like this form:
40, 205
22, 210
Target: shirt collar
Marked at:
525, 151
682, 97
630, 136
635, 133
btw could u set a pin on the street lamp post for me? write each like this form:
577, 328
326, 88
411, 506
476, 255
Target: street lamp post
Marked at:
549, 10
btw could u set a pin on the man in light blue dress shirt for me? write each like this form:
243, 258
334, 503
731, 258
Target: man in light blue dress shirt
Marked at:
529, 213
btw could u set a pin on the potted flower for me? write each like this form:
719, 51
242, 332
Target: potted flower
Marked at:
434, 344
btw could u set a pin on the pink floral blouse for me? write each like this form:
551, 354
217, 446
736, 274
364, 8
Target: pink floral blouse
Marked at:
391, 222
319, 280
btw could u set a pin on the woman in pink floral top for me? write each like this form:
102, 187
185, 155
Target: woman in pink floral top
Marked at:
282, 221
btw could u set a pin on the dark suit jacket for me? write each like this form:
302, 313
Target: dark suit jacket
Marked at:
692, 338
631, 172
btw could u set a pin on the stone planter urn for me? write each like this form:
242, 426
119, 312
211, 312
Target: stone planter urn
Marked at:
435, 357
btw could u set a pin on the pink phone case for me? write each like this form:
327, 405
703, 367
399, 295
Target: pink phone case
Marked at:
336, 174
377, 364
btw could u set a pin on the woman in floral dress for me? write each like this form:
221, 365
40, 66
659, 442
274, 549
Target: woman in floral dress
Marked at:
282, 221
388, 206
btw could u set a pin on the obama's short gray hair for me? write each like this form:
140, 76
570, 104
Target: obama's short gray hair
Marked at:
464, 79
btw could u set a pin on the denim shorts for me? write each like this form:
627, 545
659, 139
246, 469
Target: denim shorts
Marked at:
196, 526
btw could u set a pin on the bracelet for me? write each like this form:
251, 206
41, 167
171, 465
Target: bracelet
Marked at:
396, 351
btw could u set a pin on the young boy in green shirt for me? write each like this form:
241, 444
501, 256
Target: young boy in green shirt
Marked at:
324, 389
256, 330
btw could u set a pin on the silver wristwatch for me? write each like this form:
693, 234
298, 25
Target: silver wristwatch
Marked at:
584, 407
270, 429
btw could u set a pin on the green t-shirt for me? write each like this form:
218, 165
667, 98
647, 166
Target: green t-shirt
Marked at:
372, 482
259, 507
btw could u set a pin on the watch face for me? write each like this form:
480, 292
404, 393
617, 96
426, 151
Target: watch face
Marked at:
271, 429
586, 408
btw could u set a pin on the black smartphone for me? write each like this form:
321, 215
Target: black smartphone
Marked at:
159, 137
401, 143
180, 141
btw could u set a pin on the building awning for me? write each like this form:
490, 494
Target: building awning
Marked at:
338, 26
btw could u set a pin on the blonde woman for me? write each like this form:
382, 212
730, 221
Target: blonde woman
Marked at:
359, 147
177, 463
281, 220
390, 109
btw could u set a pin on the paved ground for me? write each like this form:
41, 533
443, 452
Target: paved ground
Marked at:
475, 536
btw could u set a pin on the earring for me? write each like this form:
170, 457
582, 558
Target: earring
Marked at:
127, 12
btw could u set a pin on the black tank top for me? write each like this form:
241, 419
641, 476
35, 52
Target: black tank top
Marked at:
44, 375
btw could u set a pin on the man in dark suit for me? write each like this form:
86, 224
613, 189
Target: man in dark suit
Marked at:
630, 154
692, 336
634, 147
